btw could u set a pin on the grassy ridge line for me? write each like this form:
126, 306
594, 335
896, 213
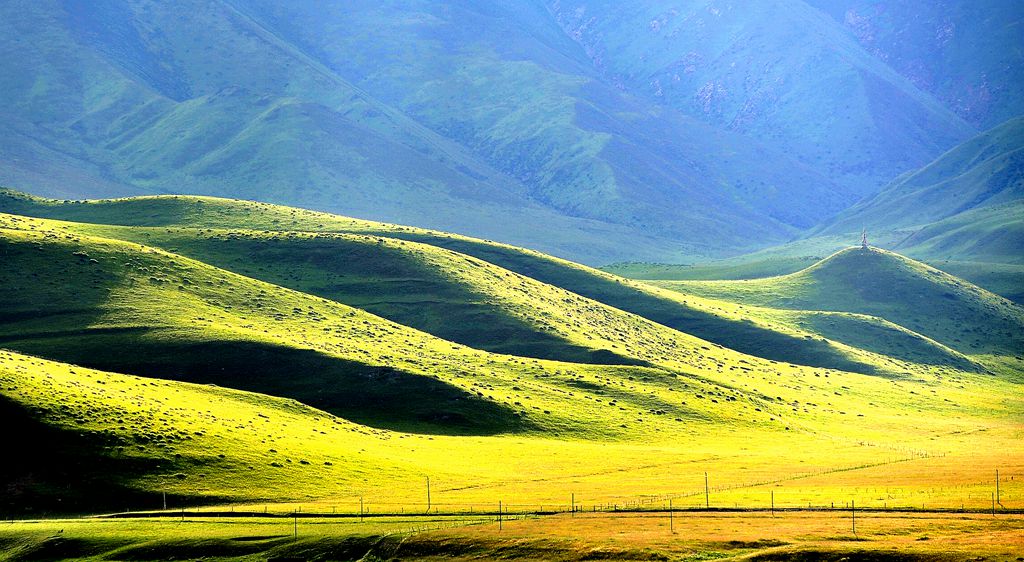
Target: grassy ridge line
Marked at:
450, 294
702, 321
175, 322
875, 282
710, 385
385, 276
167, 308
188, 304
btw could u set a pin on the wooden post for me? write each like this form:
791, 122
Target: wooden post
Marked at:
997, 488
671, 523
360, 509
499, 515
295, 525
993, 504
428, 494
165, 493
707, 495
853, 513
773, 503
572, 500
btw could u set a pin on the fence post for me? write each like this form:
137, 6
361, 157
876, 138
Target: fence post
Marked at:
707, 495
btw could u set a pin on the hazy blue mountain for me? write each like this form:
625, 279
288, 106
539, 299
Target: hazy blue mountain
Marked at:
967, 54
985, 171
480, 119
559, 126
780, 71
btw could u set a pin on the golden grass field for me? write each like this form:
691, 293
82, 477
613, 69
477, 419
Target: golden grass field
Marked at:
330, 366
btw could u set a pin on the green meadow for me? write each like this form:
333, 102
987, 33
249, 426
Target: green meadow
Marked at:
200, 354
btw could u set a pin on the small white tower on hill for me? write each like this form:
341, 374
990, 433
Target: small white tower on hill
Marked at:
864, 238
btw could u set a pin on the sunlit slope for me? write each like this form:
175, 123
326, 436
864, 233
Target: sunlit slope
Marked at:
124, 307
116, 442
464, 299
113, 440
450, 295
273, 259
129, 308
949, 310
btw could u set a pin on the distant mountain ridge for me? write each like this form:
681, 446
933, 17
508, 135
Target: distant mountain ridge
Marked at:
781, 72
494, 120
986, 170
963, 53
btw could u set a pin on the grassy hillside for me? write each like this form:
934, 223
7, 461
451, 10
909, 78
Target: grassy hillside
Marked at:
876, 282
963, 53
762, 71
536, 319
121, 306
120, 441
981, 172
460, 121
191, 298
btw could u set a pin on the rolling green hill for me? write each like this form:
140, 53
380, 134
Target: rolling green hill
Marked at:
880, 283
521, 295
125, 307
311, 390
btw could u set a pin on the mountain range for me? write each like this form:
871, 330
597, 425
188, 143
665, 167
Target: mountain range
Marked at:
668, 131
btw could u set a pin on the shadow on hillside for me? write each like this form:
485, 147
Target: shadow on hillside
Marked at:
48, 469
376, 396
394, 284
744, 337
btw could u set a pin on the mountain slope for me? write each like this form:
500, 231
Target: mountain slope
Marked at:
503, 131
876, 282
544, 311
780, 71
984, 171
131, 308
288, 131
965, 53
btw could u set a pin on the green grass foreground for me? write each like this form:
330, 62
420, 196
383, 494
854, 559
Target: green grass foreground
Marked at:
198, 352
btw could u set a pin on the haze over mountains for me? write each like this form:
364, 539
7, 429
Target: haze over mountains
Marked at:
664, 131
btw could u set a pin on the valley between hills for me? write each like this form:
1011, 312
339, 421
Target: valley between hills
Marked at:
433, 395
